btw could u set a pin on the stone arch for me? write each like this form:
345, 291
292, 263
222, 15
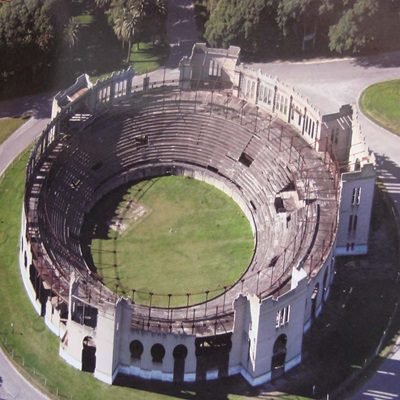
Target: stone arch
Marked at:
88, 354
179, 353
136, 349
157, 353
279, 351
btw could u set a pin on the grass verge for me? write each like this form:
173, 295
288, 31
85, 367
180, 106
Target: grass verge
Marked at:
381, 103
8, 126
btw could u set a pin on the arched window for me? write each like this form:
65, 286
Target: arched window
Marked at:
136, 349
180, 351
157, 353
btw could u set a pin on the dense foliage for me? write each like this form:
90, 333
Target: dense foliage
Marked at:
135, 19
339, 26
46, 44
30, 31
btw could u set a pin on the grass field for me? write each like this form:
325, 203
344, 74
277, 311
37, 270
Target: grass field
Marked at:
381, 103
8, 126
192, 232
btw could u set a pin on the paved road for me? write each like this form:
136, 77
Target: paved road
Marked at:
13, 386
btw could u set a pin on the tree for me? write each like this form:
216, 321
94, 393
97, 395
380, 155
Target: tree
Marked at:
364, 25
237, 22
29, 33
125, 25
71, 33
131, 18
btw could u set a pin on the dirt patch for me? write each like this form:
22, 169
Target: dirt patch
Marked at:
129, 214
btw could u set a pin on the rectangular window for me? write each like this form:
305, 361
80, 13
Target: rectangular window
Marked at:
287, 314
278, 319
356, 196
282, 317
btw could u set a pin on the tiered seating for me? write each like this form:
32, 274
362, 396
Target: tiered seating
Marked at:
187, 129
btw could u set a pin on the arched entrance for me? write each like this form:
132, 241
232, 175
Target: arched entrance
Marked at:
278, 356
212, 353
179, 353
88, 354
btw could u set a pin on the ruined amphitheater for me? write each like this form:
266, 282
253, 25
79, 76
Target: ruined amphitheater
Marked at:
305, 182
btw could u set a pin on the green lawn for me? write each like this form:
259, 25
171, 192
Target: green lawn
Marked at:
381, 103
148, 57
8, 126
192, 232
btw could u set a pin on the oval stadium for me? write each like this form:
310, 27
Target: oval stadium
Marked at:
303, 181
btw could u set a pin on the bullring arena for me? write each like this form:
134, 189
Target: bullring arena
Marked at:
305, 182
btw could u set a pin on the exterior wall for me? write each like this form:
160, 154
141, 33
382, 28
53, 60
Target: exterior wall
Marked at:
107, 333
318, 289
208, 64
336, 133
52, 316
72, 344
280, 100
355, 211
25, 260
144, 366
258, 325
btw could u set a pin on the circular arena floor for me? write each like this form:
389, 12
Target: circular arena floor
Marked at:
169, 234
